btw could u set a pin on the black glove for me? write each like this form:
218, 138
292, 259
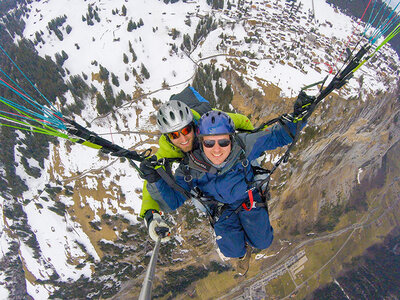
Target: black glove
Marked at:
303, 106
147, 169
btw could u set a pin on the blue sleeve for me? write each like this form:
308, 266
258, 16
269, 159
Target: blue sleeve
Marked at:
269, 139
173, 198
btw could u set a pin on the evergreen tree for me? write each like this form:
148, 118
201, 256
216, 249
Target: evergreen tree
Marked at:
140, 24
114, 79
59, 59
134, 72
89, 21
120, 97
90, 11
64, 55
227, 95
131, 26
186, 42
134, 57
124, 10
68, 29
144, 72
96, 16
202, 82
175, 33
102, 106
103, 73
218, 90
109, 94
125, 58
38, 38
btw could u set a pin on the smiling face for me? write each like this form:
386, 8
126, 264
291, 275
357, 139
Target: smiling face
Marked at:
217, 154
184, 142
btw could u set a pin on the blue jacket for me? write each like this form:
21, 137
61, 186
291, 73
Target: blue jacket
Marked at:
230, 183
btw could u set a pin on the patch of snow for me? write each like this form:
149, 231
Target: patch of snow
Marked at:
360, 170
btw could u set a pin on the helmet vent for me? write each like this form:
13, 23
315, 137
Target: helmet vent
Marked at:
215, 123
172, 114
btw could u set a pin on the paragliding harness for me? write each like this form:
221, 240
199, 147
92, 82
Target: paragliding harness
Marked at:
262, 176
215, 208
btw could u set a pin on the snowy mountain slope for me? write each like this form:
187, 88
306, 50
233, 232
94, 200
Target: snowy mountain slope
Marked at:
289, 55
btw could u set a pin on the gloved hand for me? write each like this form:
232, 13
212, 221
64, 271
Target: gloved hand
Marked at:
157, 226
303, 105
148, 171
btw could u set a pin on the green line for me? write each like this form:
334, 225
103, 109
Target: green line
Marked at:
29, 125
37, 131
47, 132
28, 116
387, 39
311, 85
56, 134
85, 143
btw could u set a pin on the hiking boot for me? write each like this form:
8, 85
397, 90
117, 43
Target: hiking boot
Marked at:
242, 264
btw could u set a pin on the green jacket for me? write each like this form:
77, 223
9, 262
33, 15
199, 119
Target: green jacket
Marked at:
168, 150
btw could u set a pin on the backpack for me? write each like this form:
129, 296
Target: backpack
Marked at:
193, 99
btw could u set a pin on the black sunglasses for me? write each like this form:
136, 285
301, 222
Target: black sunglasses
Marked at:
211, 143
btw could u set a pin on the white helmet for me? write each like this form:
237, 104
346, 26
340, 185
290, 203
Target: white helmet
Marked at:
173, 116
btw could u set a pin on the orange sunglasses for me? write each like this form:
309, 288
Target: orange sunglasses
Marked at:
185, 131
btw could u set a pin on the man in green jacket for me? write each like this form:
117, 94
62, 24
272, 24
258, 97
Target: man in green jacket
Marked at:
176, 120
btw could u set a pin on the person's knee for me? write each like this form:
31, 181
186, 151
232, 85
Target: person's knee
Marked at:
231, 247
264, 240
233, 252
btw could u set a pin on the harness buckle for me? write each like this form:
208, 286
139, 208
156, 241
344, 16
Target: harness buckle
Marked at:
188, 178
160, 162
245, 163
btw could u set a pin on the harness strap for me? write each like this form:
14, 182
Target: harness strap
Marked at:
250, 192
255, 205
172, 183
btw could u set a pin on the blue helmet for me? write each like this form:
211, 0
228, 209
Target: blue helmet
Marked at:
215, 123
